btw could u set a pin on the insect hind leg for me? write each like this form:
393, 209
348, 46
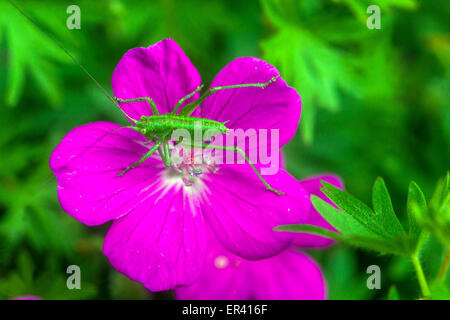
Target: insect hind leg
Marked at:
189, 108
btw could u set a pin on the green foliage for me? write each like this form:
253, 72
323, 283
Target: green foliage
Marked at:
50, 284
31, 53
359, 8
378, 229
393, 294
344, 273
436, 217
374, 103
310, 63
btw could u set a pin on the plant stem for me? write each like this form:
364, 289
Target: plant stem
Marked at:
420, 276
444, 266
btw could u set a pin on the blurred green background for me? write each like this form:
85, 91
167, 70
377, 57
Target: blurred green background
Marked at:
375, 103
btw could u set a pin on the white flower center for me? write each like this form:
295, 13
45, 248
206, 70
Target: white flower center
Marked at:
190, 165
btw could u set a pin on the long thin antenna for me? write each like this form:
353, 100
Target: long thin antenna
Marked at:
73, 59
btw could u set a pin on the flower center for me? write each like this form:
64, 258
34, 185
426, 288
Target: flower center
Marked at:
190, 165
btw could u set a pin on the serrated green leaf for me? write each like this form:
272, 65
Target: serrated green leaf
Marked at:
382, 206
360, 226
366, 242
356, 209
342, 221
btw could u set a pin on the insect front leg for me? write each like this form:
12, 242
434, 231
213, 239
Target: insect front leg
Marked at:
167, 160
165, 153
242, 152
144, 157
141, 99
190, 95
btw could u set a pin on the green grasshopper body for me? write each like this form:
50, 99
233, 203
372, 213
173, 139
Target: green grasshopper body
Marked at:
159, 125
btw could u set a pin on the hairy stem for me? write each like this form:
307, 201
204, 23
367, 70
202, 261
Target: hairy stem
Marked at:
444, 266
420, 276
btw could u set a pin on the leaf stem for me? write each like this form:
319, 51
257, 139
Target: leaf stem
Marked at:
444, 266
420, 276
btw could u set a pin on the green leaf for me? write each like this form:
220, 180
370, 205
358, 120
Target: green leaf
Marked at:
342, 221
382, 206
416, 205
358, 224
436, 219
383, 222
366, 242
440, 201
355, 208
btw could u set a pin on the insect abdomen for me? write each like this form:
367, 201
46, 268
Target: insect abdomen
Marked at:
167, 123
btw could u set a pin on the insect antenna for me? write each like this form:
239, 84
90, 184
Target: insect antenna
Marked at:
101, 137
71, 57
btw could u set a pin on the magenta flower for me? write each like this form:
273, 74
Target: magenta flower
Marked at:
290, 275
158, 234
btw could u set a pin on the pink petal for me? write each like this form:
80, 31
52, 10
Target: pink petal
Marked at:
275, 107
291, 275
225, 276
312, 186
86, 164
242, 213
162, 72
162, 244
